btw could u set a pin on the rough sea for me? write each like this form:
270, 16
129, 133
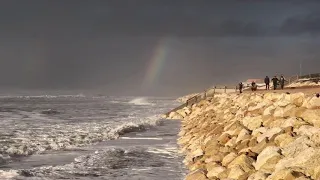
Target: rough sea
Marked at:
88, 138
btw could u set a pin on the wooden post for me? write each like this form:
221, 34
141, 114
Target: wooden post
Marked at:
214, 89
225, 89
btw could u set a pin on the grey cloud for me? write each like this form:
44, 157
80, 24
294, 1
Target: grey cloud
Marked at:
309, 24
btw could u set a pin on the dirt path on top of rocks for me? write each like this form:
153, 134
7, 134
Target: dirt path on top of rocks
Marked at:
306, 90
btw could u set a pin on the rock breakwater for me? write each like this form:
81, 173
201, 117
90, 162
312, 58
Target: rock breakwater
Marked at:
268, 136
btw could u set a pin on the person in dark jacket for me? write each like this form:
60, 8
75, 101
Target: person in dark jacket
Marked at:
240, 87
282, 81
267, 82
275, 81
254, 86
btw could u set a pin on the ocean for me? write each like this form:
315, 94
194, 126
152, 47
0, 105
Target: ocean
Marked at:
88, 138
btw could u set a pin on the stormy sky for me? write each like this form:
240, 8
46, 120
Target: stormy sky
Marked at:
107, 45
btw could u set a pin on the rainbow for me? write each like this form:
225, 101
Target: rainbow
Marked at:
156, 63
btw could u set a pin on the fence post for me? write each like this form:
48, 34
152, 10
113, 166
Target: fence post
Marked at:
225, 89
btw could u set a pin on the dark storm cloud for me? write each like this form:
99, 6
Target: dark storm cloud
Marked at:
308, 24
109, 44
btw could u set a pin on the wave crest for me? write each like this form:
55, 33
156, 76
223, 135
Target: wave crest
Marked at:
142, 101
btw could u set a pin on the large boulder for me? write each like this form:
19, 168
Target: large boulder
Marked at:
297, 99
284, 174
252, 122
215, 171
306, 161
228, 159
244, 162
312, 116
258, 176
196, 175
175, 115
267, 159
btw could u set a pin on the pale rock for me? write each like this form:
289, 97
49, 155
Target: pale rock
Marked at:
258, 176
224, 138
175, 115
279, 112
296, 146
256, 98
261, 146
283, 140
269, 134
211, 165
243, 134
182, 112
231, 142
284, 174
187, 110
290, 110
293, 122
215, 171
267, 159
276, 123
163, 116
314, 103
252, 122
240, 113
307, 130
258, 107
197, 153
242, 161
302, 178
269, 110
238, 173
306, 162
196, 175
271, 96
297, 99
228, 159
312, 116
257, 132
232, 126
283, 101
306, 103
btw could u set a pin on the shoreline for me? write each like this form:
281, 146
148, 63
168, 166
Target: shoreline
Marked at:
252, 136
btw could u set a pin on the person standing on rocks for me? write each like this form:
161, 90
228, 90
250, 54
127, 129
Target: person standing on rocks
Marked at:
254, 86
240, 87
282, 81
275, 81
267, 82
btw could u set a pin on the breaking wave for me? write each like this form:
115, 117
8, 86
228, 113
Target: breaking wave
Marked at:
70, 137
107, 164
140, 101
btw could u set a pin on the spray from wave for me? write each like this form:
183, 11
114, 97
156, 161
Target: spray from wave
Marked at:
142, 101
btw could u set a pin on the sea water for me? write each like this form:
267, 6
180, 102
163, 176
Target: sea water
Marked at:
88, 137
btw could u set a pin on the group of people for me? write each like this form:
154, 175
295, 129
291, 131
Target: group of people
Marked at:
275, 83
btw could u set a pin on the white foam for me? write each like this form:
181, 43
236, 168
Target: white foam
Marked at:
140, 101
145, 169
7, 175
169, 151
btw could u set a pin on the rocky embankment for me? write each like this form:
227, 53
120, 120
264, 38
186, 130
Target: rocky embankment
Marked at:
184, 99
269, 136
